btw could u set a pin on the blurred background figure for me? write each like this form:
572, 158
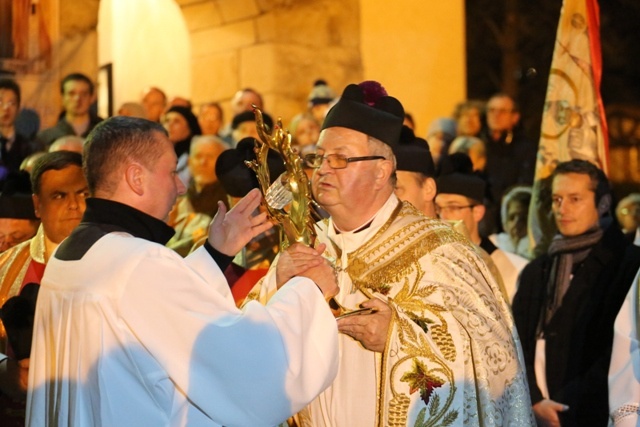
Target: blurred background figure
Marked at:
77, 118
14, 146
211, 118
68, 143
628, 213
195, 209
320, 99
132, 109
514, 213
304, 130
181, 125
244, 98
439, 135
154, 101
244, 126
179, 101
469, 117
472, 147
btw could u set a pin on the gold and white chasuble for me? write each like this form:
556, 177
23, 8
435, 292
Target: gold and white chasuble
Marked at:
452, 356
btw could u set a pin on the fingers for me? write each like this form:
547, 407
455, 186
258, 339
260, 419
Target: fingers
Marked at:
375, 303
248, 203
304, 249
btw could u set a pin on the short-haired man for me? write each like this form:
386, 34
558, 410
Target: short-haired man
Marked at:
14, 147
59, 192
567, 300
429, 353
511, 155
150, 338
77, 96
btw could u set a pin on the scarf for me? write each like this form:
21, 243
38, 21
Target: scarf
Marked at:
567, 253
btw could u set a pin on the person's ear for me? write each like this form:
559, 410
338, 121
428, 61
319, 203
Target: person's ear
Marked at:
478, 212
383, 173
135, 178
36, 204
429, 189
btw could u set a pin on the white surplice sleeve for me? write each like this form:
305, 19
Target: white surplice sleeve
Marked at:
251, 367
624, 371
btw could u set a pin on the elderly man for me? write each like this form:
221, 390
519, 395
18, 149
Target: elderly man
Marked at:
149, 338
59, 191
439, 346
192, 213
567, 300
77, 95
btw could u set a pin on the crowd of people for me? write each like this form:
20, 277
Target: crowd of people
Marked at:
141, 282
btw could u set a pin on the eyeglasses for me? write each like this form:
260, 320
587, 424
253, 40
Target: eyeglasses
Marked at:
8, 104
336, 161
454, 209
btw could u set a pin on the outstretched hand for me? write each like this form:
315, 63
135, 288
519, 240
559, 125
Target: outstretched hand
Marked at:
230, 231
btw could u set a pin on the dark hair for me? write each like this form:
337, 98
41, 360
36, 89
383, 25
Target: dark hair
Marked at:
76, 77
114, 142
10, 84
57, 160
599, 182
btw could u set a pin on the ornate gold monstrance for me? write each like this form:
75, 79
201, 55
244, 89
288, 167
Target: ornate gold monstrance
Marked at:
288, 200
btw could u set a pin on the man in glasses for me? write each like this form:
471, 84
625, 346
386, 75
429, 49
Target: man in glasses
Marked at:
460, 198
437, 327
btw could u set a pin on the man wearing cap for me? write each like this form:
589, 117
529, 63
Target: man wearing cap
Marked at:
439, 346
415, 173
59, 191
460, 198
243, 126
18, 221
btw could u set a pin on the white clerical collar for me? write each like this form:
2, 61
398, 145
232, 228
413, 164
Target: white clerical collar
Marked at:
376, 220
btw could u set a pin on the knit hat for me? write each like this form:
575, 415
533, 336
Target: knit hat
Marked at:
412, 154
235, 176
249, 116
188, 115
321, 93
368, 109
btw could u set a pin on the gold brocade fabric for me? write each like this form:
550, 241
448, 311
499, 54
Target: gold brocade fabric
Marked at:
13, 267
452, 356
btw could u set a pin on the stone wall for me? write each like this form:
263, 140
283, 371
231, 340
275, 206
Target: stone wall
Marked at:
278, 47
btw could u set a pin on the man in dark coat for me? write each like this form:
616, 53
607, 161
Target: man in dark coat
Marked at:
567, 299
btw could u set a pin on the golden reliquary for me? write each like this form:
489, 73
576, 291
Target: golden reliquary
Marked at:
288, 200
